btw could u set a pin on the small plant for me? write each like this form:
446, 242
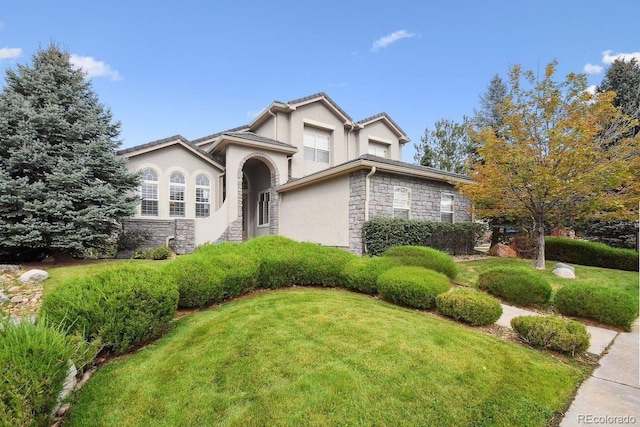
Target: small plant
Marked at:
361, 274
123, 306
553, 333
424, 257
520, 285
34, 365
412, 286
470, 306
607, 305
157, 253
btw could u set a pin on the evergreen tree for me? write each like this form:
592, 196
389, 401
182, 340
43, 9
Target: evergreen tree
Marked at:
445, 148
623, 78
62, 189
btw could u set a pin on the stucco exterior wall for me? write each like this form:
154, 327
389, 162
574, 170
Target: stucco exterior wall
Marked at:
318, 213
381, 132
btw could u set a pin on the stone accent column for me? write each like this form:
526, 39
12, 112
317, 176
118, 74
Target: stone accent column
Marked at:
185, 237
356, 211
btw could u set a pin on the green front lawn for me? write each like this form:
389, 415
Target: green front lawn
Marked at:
326, 357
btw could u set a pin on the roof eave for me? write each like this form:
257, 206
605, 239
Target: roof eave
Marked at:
224, 140
181, 141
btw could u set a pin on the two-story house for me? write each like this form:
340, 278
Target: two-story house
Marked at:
302, 169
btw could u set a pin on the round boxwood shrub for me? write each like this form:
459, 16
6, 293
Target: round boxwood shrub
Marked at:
552, 332
607, 305
469, 306
421, 256
361, 274
519, 285
412, 286
123, 306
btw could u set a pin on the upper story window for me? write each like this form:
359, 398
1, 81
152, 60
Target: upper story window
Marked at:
316, 145
377, 149
149, 193
203, 196
177, 186
446, 208
401, 202
263, 207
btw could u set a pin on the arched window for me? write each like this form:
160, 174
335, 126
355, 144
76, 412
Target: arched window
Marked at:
203, 196
149, 192
176, 194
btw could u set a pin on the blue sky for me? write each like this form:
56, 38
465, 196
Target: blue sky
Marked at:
198, 67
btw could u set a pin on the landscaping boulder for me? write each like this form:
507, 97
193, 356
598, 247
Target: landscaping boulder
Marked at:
3, 297
561, 265
34, 276
502, 251
9, 267
565, 273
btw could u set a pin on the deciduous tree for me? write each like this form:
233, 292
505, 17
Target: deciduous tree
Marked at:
62, 189
552, 159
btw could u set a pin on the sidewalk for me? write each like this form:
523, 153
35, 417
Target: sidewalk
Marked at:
611, 396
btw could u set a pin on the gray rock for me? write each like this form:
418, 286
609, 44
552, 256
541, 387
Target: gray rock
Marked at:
3, 297
34, 276
9, 267
561, 265
565, 273
14, 289
17, 299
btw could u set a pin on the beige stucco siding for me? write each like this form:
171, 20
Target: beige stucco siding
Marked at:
317, 213
171, 159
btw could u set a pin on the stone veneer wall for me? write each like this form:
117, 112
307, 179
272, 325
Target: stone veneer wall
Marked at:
425, 201
183, 231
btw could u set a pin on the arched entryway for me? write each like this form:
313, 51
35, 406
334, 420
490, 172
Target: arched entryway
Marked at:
257, 197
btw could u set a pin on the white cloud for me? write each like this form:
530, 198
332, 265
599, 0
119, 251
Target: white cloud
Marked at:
608, 58
9, 52
592, 89
93, 68
390, 38
593, 69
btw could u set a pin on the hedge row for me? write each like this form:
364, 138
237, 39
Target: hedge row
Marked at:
380, 234
590, 253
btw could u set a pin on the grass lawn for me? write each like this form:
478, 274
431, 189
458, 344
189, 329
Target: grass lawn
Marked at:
326, 357
626, 281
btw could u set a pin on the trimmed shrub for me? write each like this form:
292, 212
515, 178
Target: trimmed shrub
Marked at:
214, 273
279, 260
469, 306
590, 253
361, 274
519, 285
552, 332
35, 361
424, 257
412, 286
458, 239
607, 305
123, 306
321, 265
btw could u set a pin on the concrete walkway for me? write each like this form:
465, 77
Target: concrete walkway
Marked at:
611, 396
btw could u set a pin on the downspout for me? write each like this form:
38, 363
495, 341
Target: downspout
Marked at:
367, 190
275, 124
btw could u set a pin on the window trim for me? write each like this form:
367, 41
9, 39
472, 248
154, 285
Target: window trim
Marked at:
263, 209
206, 188
452, 211
400, 205
181, 186
149, 182
375, 146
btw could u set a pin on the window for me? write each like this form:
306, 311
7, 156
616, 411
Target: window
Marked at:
379, 150
263, 207
149, 192
446, 208
401, 202
316, 145
176, 194
203, 196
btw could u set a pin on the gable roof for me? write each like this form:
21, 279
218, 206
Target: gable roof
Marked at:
212, 137
368, 161
393, 125
167, 142
250, 139
321, 96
